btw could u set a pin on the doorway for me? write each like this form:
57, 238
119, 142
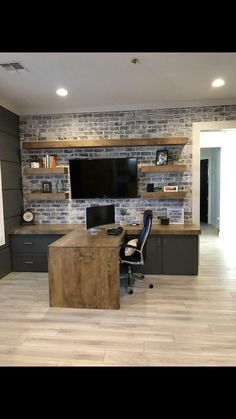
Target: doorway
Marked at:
199, 127
204, 191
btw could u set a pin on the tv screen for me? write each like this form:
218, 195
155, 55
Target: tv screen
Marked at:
103, 178
100, 215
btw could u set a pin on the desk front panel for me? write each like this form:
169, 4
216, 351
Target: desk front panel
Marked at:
84, 277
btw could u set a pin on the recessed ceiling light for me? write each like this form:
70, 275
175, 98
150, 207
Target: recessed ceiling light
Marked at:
61, 92
217, 83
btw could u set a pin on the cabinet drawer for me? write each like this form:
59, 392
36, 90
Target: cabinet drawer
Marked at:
31, 243
30, 262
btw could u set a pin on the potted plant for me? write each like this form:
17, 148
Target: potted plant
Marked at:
123, 213
173, 158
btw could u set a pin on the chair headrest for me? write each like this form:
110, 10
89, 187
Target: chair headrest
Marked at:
147, 215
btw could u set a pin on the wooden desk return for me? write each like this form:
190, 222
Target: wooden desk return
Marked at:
84, 270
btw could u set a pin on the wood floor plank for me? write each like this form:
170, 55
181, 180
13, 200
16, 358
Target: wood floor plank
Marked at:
183, 320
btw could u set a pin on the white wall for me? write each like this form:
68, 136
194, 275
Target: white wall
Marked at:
226, 139
2, 229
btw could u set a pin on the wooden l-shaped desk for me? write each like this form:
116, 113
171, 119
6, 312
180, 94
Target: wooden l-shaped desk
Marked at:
84, 269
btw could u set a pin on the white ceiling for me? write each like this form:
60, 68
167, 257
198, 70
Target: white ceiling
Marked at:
109, 81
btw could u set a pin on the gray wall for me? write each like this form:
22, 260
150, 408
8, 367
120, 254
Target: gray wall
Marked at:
11, 180
128, 124
213, 154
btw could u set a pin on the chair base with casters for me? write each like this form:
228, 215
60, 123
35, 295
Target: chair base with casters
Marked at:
132, 277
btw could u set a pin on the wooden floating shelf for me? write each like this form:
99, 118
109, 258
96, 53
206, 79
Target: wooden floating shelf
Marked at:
45, 171
164, 168
46, 196
163, 195
104, 143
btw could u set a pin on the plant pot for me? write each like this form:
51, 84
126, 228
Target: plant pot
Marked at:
165, 221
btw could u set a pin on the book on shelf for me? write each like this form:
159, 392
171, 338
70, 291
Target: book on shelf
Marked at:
49, 161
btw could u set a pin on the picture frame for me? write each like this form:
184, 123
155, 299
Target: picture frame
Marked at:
175, 215
46, 187
170, 188
161, 157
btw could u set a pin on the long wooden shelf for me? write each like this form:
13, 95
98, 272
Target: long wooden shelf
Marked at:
45, 170
38, 196
164, 168
104, 143
163, 195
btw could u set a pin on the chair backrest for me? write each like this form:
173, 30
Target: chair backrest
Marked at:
147, 224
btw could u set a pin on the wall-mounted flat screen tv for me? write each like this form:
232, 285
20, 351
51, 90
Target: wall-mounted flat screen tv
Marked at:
103, 178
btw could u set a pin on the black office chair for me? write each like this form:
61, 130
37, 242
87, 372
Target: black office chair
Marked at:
138, 255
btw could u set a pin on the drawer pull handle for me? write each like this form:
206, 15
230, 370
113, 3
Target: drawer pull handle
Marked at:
30, 263
28, 243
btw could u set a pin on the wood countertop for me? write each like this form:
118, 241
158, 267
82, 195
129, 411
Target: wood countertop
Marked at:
178, 229
83, 238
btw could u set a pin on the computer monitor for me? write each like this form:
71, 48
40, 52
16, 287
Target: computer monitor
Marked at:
99, 215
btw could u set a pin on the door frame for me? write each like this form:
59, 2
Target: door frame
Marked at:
209, 187
207, 176
197, 128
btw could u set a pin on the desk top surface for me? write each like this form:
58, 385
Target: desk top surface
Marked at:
84, 238
179, 229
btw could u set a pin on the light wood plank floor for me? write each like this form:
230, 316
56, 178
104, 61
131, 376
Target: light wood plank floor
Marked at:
184, 320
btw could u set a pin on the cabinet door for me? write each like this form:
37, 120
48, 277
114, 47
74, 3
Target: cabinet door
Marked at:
180, 255
153, 261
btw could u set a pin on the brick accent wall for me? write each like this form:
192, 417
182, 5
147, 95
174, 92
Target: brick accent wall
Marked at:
111, 125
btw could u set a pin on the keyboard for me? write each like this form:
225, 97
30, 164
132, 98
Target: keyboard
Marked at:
115, 231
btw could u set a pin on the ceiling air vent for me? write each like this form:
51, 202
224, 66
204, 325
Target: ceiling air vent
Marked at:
14, 67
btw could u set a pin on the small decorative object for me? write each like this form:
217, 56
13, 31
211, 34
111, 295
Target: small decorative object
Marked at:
28, 217
165, 221
170, 188
47, 187
34, 165
176, 215
60, 186
161, 157
150, 187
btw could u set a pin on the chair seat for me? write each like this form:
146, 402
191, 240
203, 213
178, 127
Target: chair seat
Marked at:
135, 257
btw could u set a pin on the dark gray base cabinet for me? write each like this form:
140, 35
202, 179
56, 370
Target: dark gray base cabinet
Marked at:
180, 255
30, 252
170, 255
31, 262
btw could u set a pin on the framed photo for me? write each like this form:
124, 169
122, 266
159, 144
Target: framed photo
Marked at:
176, 215
161, 157
47, 187
170, 188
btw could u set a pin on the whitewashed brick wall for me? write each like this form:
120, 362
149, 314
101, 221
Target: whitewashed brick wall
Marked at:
110, 125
